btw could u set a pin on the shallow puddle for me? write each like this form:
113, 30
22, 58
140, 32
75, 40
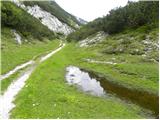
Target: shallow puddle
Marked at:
83, 81
96, 84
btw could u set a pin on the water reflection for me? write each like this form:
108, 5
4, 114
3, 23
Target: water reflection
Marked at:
83, 81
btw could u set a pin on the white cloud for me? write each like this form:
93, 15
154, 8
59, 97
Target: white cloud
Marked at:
90, 9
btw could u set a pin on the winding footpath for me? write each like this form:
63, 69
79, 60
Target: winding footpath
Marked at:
19, 67
6, 100
4, 76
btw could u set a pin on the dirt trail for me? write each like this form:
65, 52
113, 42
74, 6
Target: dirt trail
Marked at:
19, 67
6, 100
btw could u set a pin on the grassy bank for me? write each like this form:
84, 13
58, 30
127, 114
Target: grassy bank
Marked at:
14, 54
46, 94
136, 55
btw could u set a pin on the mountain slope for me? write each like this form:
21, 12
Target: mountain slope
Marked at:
16, 18
55, 10
24, 26
45, 17
133, 15
51, 15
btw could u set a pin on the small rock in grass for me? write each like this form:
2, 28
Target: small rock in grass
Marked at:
33, 104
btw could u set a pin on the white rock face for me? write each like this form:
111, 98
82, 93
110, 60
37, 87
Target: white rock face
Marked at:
49, 20
93, 39
46, 18
17, 37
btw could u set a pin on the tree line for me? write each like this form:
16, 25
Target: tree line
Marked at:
133, 15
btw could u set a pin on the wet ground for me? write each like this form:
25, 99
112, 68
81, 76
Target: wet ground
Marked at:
13, 89
99, 85
84, 81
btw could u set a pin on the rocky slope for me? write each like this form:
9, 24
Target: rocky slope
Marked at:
46, 18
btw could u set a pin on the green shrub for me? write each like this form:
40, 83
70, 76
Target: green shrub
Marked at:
16, 18
132, 16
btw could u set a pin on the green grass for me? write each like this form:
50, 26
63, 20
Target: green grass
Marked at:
129, 42
14, 54
53, 98
124, 76
133, 71
46, 94
130, 71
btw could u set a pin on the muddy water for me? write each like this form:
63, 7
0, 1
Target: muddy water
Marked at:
144, 99
147, 100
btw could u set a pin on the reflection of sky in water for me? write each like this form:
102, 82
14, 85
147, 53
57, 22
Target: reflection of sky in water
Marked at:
82, 79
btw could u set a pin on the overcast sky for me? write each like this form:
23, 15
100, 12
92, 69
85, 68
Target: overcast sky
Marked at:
90, 9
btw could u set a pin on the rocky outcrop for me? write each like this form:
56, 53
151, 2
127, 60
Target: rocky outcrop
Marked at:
46, 18
17, 37
93, 39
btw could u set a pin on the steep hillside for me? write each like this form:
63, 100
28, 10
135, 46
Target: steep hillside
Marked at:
139, 42
27, 30
50, 15
44, 17
133, 15
16, 18
57, 11
27, 27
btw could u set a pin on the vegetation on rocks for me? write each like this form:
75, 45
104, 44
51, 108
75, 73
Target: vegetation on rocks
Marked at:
18, 19
56, 10
133, 15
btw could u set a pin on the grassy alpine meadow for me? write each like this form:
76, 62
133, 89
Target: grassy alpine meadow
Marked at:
134, 74
135, 68
55, 65
14, 54
47, 95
